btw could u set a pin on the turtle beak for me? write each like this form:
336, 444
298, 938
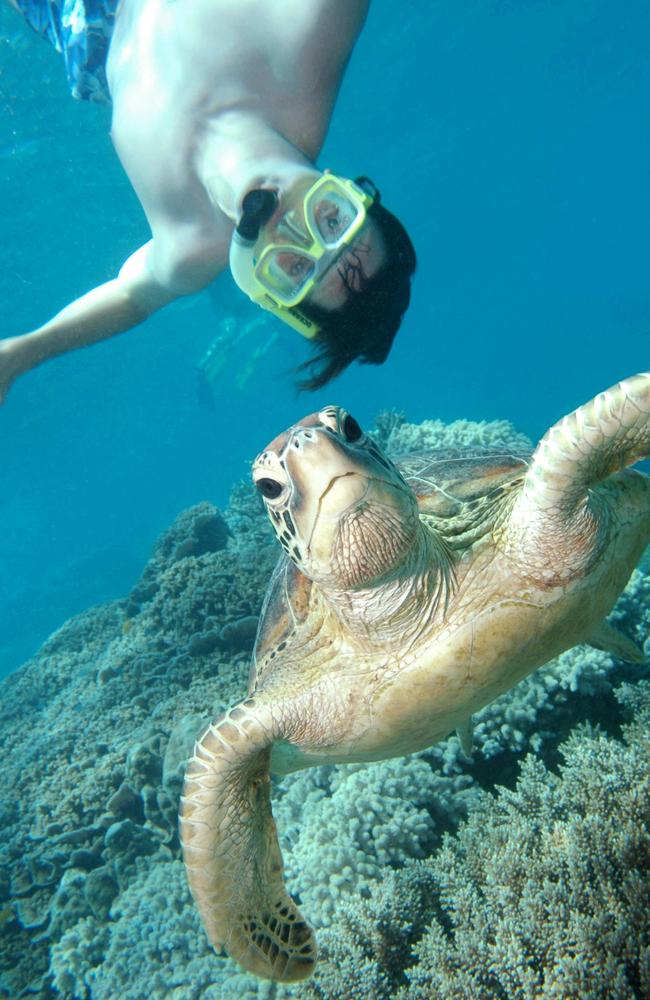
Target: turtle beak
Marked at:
343, 495
326, 481
333, 487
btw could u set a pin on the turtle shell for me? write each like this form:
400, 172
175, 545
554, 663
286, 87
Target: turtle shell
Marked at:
446, 480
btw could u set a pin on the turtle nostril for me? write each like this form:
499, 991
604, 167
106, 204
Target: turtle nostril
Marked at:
300, 436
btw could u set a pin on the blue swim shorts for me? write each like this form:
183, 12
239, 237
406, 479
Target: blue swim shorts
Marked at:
81, 30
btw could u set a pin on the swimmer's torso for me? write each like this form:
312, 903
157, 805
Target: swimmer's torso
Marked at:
182, 56
178, 68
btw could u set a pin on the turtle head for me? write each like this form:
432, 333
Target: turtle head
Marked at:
340, 508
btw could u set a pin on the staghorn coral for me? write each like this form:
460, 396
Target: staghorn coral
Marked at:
632, 612
366, 952
543, 893
546, 889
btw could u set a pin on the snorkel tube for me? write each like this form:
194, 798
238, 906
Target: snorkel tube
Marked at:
257, 208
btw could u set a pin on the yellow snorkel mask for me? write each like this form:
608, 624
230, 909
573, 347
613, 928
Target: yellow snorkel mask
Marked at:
278, 276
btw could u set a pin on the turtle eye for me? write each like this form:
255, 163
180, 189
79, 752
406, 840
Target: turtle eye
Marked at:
351, 430
269, 488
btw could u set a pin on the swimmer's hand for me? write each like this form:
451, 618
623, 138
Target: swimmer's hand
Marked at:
9, 365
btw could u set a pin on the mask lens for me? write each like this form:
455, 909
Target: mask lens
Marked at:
332, 216
283, 271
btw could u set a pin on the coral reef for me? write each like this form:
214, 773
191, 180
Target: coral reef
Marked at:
341, 826
114, 700
542, 892
545, 890
398, 437
96, 729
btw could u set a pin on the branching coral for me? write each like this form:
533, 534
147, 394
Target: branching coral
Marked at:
544, 892
364, 953
343, 827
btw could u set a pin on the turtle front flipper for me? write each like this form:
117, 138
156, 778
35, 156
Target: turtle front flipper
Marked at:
231, 850
599, 438
602, 437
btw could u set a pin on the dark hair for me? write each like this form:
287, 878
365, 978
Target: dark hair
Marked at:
364, 327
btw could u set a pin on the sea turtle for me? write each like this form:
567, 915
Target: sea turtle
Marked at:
407, 597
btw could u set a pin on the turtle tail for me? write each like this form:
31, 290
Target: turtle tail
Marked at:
231, 850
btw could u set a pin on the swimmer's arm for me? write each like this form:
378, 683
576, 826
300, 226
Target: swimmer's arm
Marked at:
109, 309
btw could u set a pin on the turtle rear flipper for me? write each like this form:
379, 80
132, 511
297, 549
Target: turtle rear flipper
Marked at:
609, 639
231, 850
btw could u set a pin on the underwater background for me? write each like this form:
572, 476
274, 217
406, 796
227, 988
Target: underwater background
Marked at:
512, 140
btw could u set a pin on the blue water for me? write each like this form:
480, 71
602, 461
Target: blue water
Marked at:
510, 137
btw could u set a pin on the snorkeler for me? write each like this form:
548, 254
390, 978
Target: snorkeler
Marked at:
220, 109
